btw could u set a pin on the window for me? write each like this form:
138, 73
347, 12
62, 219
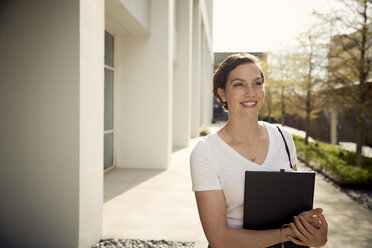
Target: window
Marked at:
109, 128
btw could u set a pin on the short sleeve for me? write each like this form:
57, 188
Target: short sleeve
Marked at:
204, 174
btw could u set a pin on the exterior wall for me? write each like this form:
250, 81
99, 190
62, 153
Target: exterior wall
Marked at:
140, 10
144, 73
127, 17
91, 121
183, 75
51, 126
51, 103
196, 64
206, 105
202, 67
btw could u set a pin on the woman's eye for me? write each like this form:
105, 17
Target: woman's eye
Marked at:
238, 84
259, 83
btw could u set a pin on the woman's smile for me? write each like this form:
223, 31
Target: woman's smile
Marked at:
249, 104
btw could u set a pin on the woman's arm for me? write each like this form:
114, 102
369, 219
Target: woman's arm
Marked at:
212, 212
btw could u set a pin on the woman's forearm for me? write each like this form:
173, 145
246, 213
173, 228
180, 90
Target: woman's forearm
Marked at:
238, 238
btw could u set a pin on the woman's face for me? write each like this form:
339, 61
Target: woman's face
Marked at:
244, 91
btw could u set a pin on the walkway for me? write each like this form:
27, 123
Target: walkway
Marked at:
152, 204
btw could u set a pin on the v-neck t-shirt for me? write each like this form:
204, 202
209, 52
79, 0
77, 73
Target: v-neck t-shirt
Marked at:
215, 165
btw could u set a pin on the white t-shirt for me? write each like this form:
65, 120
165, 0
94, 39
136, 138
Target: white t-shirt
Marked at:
215, 165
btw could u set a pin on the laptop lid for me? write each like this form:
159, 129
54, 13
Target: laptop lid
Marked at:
272, 199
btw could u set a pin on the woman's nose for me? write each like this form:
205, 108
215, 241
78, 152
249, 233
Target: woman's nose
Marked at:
249, 91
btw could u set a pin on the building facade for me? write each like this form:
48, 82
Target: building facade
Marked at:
87, 86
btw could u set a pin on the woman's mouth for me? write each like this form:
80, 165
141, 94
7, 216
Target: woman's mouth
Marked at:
249, 104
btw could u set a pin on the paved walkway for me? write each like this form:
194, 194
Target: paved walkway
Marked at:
153, 204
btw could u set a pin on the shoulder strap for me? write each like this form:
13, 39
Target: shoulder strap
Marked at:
286, 147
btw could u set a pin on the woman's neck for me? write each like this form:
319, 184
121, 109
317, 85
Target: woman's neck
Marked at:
242, 131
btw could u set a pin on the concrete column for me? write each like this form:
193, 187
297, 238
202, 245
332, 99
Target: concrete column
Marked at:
51, 108
209, 75
206, 82
183, 76
91, 121
333, 127
203, 85
144, 74
196, 64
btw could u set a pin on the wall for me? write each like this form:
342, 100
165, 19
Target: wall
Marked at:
183, 76
48, 180
127, 17
91, 121
202, 67
144, 73
140, 9
196, 70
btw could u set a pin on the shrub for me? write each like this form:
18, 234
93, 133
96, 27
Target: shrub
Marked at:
335, 162
204, 130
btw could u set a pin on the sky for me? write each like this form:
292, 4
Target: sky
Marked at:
259, 25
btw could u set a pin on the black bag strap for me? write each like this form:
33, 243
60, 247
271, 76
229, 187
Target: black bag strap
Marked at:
286, 147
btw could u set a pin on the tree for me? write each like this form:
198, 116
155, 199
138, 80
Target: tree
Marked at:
266, 111
350, 59
279, 73
308, 64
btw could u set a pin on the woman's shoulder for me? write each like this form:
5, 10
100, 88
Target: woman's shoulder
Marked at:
275, 127
205, 143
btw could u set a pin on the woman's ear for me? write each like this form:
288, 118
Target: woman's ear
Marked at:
221, 93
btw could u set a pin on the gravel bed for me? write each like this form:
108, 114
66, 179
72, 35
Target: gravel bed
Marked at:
138, 243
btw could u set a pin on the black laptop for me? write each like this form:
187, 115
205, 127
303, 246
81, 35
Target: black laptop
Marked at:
272, 199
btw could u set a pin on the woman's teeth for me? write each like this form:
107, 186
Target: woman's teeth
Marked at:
248, 104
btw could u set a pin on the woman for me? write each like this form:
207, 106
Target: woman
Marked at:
219, 160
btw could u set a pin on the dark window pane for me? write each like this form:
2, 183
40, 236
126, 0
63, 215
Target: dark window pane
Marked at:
109, 150
109, 49
109, 99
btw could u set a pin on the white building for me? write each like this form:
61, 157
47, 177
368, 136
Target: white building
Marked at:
88, 85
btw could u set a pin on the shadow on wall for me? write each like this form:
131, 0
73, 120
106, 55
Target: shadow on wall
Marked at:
118, 181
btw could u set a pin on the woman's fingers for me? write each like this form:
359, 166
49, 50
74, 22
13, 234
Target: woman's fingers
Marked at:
296, 241
298, 233
306, 232
323, 221
301, 227
307, 225
308, 235
323, 230
314, 221
309, 214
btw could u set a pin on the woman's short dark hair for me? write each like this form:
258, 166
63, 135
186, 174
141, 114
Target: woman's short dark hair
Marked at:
229, 64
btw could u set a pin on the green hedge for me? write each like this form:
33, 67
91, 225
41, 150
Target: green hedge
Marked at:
335, 163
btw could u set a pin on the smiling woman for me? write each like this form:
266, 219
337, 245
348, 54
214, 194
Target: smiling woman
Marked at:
219, 161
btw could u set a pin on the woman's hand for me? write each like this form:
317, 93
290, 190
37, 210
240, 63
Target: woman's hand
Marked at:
312, 217
307, 234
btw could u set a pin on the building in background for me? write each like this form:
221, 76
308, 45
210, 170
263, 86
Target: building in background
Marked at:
349, 74
87, 86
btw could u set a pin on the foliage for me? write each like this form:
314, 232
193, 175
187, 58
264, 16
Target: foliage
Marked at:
204, 130
335, 162
350, 61
296, 75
